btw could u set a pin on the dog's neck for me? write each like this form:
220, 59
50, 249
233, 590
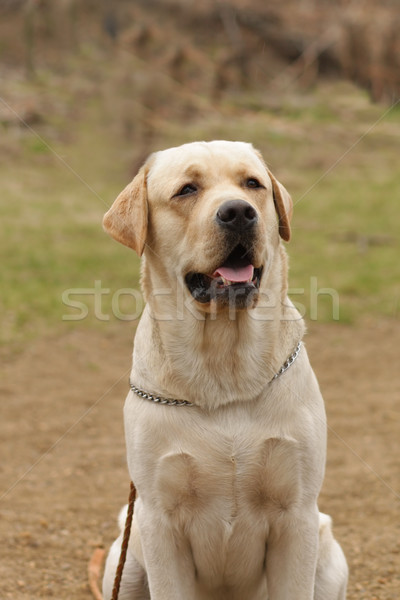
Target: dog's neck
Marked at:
226, 355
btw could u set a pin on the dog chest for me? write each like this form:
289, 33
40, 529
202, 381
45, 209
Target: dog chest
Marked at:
194, 465
226, 498
221, 483
222, 479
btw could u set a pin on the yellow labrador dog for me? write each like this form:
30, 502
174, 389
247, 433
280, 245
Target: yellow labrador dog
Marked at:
225, 423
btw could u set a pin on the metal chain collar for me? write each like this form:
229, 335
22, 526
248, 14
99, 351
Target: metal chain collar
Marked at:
159, 399
289, 361
171, 402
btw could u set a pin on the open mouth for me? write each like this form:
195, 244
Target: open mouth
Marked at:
233, 283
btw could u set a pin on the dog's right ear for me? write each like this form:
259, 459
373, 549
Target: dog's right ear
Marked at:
126, 221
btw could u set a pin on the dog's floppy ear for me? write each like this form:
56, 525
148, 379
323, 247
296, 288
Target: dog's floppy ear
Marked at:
126, 221
283, 206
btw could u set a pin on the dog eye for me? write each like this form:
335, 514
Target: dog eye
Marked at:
187, 189
253, 183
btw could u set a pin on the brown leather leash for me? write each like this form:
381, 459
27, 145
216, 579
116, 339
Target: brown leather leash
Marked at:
125, 542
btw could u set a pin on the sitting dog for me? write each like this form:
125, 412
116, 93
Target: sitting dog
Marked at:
225, 424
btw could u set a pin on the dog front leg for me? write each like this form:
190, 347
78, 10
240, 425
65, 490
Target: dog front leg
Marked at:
168, 561
291, 559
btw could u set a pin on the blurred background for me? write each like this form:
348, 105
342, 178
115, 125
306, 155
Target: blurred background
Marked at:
87, 91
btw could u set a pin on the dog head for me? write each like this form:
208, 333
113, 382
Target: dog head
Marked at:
205, 212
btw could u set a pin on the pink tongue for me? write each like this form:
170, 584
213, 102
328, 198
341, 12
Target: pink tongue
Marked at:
238, 275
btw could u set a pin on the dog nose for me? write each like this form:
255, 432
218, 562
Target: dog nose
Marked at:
236, 215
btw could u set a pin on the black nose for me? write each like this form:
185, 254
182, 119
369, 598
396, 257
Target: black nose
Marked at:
236, 215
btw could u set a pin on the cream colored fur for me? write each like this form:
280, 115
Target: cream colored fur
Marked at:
228, 488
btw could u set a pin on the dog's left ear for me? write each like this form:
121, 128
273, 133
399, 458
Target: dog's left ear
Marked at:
284, 207
126, 221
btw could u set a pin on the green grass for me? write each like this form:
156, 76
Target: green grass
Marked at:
57, 183
346, 234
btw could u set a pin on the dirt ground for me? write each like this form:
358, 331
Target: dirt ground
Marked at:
64, 477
